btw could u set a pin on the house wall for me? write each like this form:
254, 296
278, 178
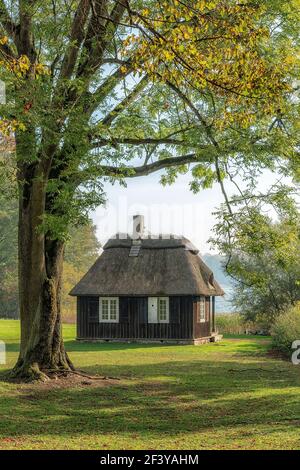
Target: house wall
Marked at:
133, 320
202, 329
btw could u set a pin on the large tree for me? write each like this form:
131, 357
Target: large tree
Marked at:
91, 85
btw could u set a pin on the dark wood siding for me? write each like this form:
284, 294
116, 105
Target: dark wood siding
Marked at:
213, 314
133, 320
202, 329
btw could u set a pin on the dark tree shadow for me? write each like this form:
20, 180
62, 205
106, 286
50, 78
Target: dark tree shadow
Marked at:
152, 399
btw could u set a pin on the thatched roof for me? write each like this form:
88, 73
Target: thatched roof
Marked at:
164, 266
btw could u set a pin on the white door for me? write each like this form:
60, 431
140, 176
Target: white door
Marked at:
152, 309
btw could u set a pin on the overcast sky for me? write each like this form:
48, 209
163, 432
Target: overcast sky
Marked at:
172, 209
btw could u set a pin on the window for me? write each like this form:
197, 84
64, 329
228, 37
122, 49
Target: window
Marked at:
163, 310
201, 311
109, 310
158, 310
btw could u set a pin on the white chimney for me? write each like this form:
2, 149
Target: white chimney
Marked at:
138, 226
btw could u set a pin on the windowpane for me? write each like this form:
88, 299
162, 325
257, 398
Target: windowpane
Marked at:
104, 309
109, 309
113, 309
162, 309
163, 313
201, 311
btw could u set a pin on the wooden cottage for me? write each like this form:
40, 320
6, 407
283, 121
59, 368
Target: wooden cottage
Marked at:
147, 290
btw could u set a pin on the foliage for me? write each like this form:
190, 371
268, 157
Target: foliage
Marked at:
220, 47
8, 242
228, 395
82, 249
236, 324
286, 329
208, 53
90, 95
224, 101
81, 252
232, 323
263, 257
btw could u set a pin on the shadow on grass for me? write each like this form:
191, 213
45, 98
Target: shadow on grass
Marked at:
77, 346
171, 397
246, 345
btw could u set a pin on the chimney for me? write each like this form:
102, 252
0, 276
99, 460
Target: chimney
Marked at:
138, 226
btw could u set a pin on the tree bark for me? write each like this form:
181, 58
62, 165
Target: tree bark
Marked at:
40, 276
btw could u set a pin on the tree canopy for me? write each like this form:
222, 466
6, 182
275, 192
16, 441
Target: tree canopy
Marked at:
162, 83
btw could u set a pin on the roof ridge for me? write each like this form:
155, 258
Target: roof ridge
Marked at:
151, 243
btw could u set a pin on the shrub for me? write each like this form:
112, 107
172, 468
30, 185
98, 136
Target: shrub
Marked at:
230, 323
286, 329
236, 324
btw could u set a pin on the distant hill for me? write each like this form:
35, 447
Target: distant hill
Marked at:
215, 263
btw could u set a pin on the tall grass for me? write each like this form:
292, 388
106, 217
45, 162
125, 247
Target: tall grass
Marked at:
235, 324
286, 329
230, 323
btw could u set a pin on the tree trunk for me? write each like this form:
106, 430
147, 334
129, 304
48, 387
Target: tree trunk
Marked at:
40, 274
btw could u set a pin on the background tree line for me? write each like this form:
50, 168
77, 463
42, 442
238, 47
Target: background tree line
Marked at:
81, 251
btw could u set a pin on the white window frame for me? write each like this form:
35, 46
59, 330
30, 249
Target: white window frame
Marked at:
109, 319
202, 311
166, 320
155, 317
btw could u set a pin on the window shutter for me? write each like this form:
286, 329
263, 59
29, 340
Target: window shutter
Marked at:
123, 310
93, 311
152, 309
174, 309
207, 308
143, 311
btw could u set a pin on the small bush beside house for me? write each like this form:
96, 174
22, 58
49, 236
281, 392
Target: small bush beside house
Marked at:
286, 329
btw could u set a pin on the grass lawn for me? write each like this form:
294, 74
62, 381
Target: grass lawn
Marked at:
228, 395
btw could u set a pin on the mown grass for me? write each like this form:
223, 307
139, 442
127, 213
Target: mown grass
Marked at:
228, 395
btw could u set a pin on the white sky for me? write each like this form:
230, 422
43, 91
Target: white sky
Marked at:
171, 209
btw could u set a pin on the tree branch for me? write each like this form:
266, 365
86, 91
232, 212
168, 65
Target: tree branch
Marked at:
6, 20
100, 33
110, 117
93, 99
6, 50
195, 111
132, 172
77, 36
25, 42
144, 170
132, 141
